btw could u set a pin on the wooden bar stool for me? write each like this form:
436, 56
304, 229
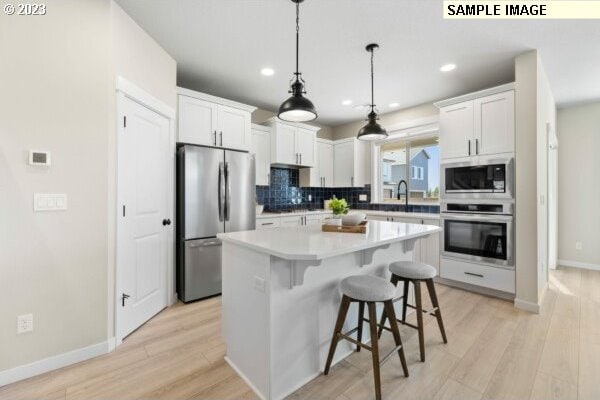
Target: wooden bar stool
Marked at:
416, 272
370, 290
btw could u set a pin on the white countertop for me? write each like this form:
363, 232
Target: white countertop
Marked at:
310, 243
402, 214
368, 212
291, 214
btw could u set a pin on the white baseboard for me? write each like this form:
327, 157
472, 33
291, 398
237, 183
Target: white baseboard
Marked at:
55, 362
244, 378
579, 264
528, 306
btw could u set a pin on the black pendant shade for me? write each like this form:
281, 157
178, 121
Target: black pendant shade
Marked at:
297, 108
372, 130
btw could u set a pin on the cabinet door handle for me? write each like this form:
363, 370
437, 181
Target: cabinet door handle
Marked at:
268, 179
473, 274
351, 181
300, 158
221, 134
267, 223
469, 146
476, 146
215, 140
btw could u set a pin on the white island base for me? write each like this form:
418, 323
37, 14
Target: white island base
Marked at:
281, 296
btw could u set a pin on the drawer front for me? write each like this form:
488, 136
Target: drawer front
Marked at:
479, 275
266, 223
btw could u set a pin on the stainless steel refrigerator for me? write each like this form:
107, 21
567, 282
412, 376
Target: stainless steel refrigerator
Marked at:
215, 194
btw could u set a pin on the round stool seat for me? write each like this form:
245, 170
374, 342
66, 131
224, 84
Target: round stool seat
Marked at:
368, 288
412, 270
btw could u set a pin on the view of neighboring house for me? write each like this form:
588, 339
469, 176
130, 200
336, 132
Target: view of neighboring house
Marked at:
395, 169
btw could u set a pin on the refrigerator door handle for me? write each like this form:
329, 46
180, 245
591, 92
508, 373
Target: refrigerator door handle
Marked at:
227, 191
221, 190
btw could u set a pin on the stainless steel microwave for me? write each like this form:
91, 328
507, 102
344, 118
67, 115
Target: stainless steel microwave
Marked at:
491, 178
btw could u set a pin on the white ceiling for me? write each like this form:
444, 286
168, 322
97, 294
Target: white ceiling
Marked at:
221, 45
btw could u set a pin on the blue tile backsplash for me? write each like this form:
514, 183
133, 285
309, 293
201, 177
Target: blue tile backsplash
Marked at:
285, 193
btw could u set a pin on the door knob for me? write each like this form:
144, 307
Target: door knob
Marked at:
166, 222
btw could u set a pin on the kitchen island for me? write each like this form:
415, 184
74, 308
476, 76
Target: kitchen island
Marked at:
281, 296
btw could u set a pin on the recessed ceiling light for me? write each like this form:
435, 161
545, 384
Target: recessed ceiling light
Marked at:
267, 71
447, 67
346, 102
394, 105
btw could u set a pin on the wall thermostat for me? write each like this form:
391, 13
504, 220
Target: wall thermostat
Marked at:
41, 158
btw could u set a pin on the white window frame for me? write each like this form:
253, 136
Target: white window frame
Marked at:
407, 131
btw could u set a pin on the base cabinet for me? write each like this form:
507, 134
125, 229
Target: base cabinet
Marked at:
427, 250
502, 279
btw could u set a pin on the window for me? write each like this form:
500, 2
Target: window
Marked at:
414, 162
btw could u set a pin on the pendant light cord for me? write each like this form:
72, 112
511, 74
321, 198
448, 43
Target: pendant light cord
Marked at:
372, 82
297, 37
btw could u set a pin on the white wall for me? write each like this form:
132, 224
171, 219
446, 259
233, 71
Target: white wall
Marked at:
534, 106
578, 188
58, 78
546, 117
54, 76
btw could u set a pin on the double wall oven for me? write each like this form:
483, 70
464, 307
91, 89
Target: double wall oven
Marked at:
477, 212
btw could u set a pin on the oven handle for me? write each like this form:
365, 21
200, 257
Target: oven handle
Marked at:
478, 217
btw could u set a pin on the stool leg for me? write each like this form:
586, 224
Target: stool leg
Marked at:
361, 314
419, 307
389, 309
394, 281
375, 348
405, 300
339, 324
436, 304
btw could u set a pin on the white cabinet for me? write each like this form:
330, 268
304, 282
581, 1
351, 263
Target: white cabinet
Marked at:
212, 121
456, 130
321, 174
261, 148
427, 250
266, 223
197, 121
495, 124
478, 127
292, 144
351, 163
296, 220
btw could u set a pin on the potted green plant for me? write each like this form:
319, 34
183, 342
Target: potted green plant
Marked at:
339, 208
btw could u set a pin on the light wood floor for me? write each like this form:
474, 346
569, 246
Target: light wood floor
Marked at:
494, 352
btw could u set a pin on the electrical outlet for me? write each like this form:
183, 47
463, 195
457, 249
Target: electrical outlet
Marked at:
310, 197
24, 323
362, 197
578, 246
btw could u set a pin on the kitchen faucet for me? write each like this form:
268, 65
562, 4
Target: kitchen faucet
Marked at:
406, 186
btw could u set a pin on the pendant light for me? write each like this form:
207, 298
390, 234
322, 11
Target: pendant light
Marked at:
297, 108
372, 130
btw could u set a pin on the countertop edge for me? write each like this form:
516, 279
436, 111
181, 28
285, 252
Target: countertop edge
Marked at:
330, 254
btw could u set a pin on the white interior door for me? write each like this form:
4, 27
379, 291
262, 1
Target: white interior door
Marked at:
143, 226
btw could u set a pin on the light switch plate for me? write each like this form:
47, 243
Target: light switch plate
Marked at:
259, 284
49, 201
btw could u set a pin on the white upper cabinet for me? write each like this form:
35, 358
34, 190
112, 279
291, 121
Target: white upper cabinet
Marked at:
261, 148
456, 130
483, 124
292, 144
321, 174
305, 146
213, 121
495, 124
197, 121
351, 163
